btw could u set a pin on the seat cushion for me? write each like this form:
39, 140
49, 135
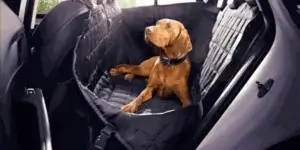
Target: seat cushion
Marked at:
119, 92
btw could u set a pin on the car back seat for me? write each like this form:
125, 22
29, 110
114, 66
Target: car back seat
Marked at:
233, 33
53, 41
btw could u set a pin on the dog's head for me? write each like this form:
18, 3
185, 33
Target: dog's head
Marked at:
170, 36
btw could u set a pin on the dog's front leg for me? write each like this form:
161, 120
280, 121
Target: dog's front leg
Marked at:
143, 69
182, 92
124, 68
145, 95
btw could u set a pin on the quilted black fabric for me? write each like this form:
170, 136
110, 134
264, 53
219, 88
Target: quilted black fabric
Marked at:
228, 32
102, 53
110, 40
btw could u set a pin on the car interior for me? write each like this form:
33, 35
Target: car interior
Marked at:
229, 39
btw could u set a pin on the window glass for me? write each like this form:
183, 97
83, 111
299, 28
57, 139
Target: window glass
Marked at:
134, 3
167, 2
137, 3
44, 6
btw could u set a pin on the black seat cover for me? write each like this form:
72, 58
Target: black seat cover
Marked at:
55, 37
53, 41
233, 32
12, 52
121, 41
117, 37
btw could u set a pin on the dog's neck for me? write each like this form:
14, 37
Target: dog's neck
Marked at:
172, 61
173, 52
173, 55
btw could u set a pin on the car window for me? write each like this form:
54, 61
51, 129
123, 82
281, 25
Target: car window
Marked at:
297, 16
134, 3
167, 2
138, 3
44, 6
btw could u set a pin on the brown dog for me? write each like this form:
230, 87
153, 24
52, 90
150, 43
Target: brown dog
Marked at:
168, 73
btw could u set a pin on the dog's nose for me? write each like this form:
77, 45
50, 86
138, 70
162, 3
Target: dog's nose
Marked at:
148, 30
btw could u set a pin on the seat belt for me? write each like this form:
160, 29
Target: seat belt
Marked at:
102, 139
58, 95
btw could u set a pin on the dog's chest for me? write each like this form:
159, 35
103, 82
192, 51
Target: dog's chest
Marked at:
170, 75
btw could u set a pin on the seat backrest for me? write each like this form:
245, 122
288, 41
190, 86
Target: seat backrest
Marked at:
54, 39
57, 33
13, 52
233, 32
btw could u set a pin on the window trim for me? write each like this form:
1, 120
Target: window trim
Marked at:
155, 3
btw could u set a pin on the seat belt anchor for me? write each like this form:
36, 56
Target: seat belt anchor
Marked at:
105, 134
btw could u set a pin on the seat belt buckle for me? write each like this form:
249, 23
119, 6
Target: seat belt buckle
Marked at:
105, 134
107, 130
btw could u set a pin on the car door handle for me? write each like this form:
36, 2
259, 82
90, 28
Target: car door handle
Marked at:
264, 88
35, 97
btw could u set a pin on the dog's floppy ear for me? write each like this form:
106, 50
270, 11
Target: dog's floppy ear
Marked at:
185, 42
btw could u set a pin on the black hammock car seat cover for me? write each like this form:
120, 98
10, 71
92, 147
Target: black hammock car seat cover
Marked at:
233, 33
56, 35
158, 124
229, 29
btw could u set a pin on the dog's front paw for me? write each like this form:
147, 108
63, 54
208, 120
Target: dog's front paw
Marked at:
129, 76
114, 72
130, 108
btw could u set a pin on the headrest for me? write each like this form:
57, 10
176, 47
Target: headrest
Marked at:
234, 4
251, 2
219, 3
105, 1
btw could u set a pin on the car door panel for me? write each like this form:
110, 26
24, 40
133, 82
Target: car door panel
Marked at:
257, 123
